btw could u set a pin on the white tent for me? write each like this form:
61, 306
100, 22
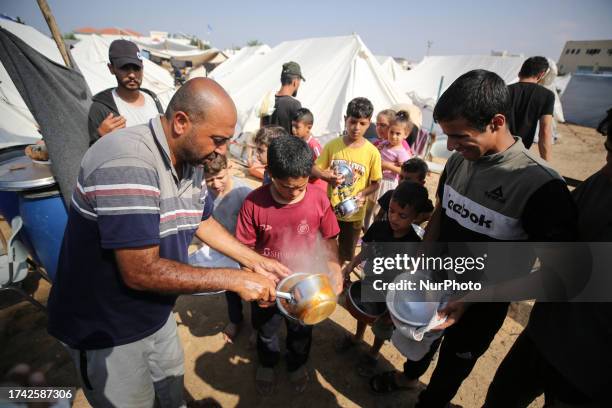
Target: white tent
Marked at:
337, 69
586, 98
421, 83
390, 66
91, 56
239, 58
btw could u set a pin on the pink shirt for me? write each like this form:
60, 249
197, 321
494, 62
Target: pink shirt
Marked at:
395, 155
288, 233
379, 142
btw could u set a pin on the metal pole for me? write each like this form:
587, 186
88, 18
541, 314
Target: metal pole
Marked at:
55, 32
437, 97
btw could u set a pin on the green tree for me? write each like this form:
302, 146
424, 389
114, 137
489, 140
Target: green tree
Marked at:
253, 43
69, 36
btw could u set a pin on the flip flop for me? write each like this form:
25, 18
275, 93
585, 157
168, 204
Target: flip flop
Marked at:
299, 378
265, 380
385, 383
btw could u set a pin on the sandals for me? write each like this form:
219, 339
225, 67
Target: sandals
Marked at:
231, 331
385, 383
299, 378
265, 380
366, 367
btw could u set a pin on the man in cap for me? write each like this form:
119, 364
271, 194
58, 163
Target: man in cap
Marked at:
128, 104
285, 104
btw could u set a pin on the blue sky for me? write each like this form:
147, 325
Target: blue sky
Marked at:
397, 28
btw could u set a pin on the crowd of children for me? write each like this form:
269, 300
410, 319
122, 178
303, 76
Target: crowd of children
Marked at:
292, 213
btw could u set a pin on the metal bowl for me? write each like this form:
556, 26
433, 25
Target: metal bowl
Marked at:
343, 169
366, 312
347, 207
313, 298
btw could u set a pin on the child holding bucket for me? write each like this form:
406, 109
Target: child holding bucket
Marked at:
292, 221
408, 201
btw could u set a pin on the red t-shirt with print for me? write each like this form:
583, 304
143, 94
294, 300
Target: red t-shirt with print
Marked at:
290, 233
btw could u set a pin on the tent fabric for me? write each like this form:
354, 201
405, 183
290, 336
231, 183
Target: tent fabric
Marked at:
337, 69
91, 56
17, 125
171, 50
421, 82
244, 54
586, 99
390, 67
59, 99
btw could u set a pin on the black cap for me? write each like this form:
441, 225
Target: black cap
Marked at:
292, 68
123, 52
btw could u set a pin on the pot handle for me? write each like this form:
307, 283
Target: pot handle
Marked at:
285, 295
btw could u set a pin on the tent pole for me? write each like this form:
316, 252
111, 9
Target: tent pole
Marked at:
437, 97
55, 32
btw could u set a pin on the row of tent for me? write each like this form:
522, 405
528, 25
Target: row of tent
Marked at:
336, 69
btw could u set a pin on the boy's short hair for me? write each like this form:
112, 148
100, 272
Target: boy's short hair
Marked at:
360, 108
415, 165
289, 156
475, 96
303, 115
533, 66
214, 166
266, 134
413, 194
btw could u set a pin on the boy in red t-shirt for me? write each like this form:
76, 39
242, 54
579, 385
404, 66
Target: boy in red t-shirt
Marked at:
301, 127
294, 223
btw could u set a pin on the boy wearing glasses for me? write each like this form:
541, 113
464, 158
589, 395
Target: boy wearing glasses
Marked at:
128, 104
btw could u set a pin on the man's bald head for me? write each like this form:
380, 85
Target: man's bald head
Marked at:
200, 97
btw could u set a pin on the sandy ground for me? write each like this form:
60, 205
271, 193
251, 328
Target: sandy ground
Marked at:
215, 370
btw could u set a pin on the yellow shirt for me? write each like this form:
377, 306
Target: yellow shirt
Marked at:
365, 163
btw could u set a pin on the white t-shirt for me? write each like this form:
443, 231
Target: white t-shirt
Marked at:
136, 115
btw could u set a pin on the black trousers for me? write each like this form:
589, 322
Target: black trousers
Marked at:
234, 307
462, 345
524, 374
267, 322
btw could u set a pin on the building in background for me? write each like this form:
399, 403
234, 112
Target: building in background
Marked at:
586, 57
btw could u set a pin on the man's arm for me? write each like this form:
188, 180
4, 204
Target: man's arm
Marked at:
432, 231
143, 269
217, 237
545, 137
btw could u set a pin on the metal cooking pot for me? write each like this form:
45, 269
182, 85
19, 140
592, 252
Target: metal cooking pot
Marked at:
307, 298
347, 207
343, 169
366, 312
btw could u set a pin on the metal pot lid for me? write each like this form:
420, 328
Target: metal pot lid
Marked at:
20, 173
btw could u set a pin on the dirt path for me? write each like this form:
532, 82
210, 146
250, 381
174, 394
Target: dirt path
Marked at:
224, 372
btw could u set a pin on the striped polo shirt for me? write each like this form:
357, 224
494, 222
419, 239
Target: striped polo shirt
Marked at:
128, 195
